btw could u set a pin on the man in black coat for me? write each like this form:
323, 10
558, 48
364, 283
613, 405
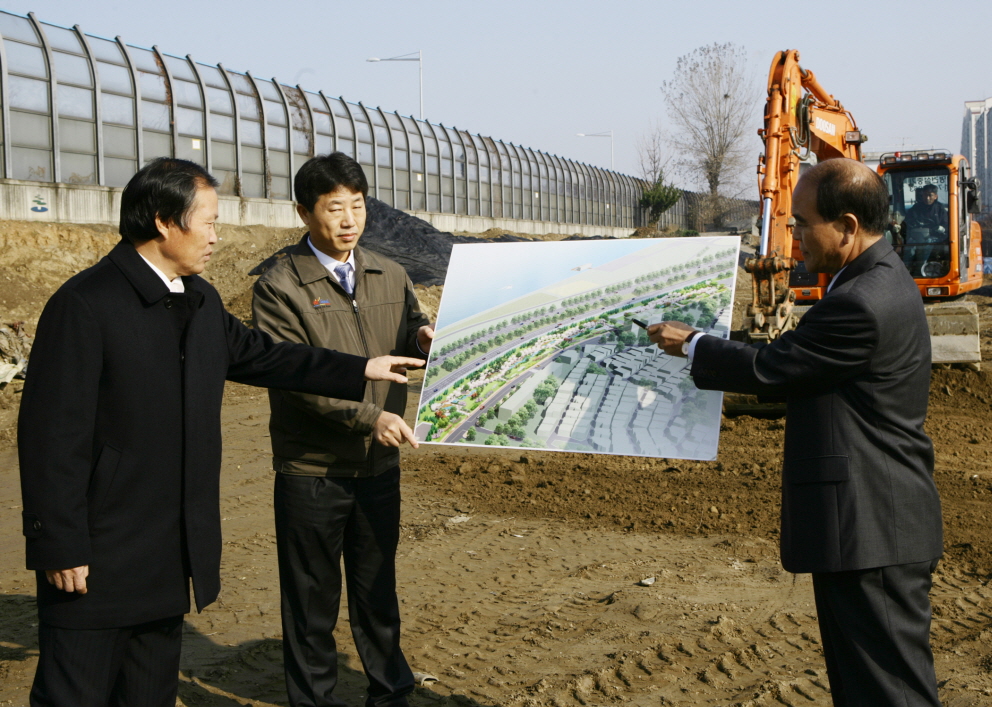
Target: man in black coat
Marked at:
860, 510
119, 443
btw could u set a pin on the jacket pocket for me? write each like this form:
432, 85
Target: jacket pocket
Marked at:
814, 499
102, 478
818, 470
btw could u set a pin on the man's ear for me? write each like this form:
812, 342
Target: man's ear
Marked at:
851, 227
161, 226
304, 214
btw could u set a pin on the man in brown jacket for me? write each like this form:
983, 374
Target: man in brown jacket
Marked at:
337, 483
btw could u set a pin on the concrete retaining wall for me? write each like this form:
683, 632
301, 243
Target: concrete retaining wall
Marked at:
71, 203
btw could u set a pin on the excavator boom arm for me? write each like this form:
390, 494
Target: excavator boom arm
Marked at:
801, 119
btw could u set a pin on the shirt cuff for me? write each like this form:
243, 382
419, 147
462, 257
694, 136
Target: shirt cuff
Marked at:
692, 344
425, 354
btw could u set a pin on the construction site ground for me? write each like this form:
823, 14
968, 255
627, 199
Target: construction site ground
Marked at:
520, 574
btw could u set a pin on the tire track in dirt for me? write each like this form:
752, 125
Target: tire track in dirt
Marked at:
538, 613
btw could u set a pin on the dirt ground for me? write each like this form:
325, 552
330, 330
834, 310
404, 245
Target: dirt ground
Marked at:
519, 575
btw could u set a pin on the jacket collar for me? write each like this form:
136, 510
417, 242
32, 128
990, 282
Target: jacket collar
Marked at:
863, 263
143, 279
309, 269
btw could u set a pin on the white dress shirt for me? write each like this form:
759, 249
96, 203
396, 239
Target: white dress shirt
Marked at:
330, 263
834, 278
173, 285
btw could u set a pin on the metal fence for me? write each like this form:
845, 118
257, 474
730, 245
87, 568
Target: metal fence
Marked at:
81, 109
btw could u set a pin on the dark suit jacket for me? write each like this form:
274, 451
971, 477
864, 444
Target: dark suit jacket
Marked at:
119, 436
857, 481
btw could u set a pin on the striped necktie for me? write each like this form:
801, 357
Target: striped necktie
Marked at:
343, 271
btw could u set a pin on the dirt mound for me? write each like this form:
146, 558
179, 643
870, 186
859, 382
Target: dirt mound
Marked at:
419, 247
645, 232
738, 493
960, 426
35, 258
415, 244
510, 557
491, 233
501, 234
430, 299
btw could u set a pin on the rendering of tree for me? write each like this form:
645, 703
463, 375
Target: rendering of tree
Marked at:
596, 369
546, 389
470, 435
712, 102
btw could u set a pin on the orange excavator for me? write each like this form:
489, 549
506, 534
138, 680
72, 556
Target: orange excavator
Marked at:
932, 196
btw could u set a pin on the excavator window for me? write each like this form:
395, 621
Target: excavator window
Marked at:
919, 220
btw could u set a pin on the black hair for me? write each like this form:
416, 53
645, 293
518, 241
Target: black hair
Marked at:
847, 187
165, 187
325, 173
929, 188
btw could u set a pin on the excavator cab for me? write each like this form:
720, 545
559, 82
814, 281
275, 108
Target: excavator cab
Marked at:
919, 220
931, 199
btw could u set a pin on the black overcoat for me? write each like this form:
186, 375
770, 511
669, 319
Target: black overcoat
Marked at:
857, 479
119, 436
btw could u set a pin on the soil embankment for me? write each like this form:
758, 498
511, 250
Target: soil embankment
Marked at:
519, 573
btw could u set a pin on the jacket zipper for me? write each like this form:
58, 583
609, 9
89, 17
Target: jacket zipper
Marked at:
365, 345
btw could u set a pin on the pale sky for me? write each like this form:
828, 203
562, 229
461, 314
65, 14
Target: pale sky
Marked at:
537, 72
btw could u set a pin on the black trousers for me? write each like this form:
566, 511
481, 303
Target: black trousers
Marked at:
135, 666
318, 520
875, 626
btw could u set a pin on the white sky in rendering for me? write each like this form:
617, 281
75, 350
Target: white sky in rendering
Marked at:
481, 279
485, 275
537, 73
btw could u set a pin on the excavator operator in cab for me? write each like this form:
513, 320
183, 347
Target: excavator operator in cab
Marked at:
925, 229
928, 212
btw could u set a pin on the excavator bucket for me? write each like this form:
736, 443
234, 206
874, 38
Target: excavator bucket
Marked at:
954, 332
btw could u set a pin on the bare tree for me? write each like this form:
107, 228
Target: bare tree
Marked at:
712, 102
653, 159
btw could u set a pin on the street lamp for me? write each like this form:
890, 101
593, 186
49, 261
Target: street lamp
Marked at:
609, 134
410, 57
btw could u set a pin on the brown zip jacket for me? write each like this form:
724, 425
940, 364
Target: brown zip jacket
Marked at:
297, 300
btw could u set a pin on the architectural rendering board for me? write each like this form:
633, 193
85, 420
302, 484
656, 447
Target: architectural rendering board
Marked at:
537, 346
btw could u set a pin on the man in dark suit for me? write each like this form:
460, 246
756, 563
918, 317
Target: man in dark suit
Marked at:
119, 443
860, 510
